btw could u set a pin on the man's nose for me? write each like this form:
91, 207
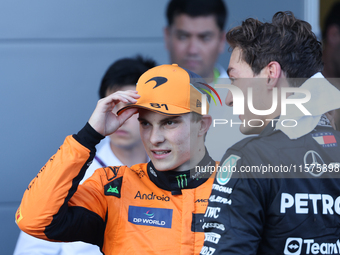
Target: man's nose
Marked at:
193, 46
229, 99
156, 136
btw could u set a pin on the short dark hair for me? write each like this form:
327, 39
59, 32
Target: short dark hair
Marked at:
287, 40
333, 17
196, 8
125, 71
195, 117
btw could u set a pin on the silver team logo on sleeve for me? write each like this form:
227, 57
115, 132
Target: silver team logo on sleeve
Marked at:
227, 169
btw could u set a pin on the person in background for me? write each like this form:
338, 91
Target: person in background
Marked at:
123, 147
149, 208
331, 45
331, 53
280, 193
195, 38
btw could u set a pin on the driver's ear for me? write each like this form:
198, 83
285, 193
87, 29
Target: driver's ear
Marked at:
273, 72
205, 124
331, 117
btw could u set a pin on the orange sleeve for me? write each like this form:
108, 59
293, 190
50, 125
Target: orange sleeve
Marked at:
55, 208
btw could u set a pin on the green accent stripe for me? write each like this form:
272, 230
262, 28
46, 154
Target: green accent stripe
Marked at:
210, 95
216, 74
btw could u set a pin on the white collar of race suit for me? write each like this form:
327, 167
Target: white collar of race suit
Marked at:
324, 98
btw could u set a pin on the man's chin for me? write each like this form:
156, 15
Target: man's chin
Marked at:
124, 145
196, 68
164, 166
250, 130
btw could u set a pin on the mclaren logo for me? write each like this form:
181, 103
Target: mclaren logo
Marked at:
202, 201
159, 81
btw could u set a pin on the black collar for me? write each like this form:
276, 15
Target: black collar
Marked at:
270, 128
175, 181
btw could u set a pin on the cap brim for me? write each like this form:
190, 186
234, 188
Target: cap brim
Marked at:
163, 109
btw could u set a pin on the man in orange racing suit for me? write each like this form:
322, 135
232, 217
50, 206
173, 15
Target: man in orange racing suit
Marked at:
150, 208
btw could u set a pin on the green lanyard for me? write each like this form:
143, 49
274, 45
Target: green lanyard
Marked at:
216, 74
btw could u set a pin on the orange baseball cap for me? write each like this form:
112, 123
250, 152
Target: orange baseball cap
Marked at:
169, 89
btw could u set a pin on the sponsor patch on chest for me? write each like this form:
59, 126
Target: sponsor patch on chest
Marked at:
148, 216
113, 188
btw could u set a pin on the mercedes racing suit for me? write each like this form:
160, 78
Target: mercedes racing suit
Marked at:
136, 210
279, 196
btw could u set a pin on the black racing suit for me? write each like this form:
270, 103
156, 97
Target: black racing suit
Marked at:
289, 207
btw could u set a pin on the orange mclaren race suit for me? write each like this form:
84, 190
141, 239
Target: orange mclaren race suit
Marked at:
136, 210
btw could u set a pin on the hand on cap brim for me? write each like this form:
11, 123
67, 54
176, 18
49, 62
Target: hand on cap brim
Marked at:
103, 120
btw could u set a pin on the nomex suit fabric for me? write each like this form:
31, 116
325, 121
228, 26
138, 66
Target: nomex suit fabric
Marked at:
295, 210
136, 210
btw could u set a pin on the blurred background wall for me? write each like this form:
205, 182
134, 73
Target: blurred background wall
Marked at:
52, 57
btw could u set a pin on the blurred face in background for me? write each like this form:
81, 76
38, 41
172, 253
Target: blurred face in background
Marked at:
195, 43
127, 136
